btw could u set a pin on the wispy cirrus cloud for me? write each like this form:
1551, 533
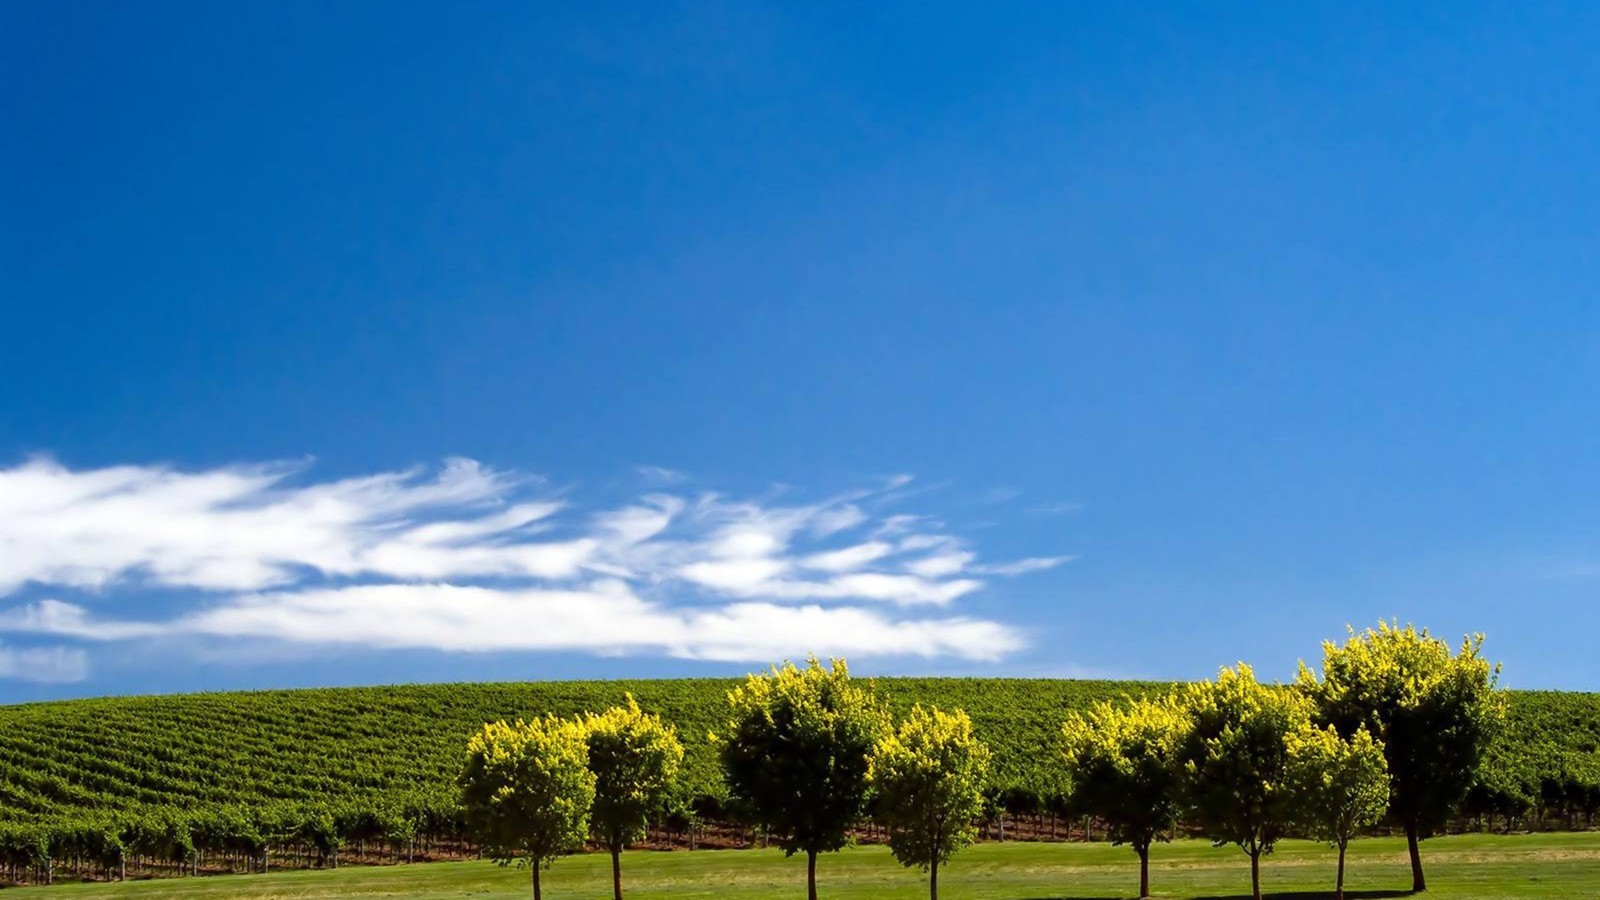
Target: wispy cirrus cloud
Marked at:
467, 558
44, 665
604, 618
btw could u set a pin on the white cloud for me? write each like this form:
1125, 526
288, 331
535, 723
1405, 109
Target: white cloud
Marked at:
605, 618
661, 474
1023, 566
45, 665
741, 577
942, 564
836, 519
468, 558
239, 528
848, 558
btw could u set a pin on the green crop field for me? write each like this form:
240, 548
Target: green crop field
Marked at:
394, 744
359, 743
377, 765
1469, 867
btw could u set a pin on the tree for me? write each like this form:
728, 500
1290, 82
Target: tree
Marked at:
1123, 766
1433, 710
928, 780
526, 791
1339, 786
1235, 755
635, 759
796, 755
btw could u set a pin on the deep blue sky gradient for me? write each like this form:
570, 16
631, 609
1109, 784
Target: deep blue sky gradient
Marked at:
1297, 301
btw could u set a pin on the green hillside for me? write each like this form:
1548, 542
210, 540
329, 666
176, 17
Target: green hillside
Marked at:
348, 743
401, 746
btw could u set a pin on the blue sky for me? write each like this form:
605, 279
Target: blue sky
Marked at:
346, 344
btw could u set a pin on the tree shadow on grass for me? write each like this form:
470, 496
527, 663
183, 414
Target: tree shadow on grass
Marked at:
1273, 895
1313, 895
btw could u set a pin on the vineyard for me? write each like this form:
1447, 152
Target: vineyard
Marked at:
178, 781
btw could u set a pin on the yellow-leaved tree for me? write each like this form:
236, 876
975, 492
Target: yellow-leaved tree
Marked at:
1433, 710
635, 760
796, 752
1339, 787
526, 791
1236, 757
928, 779
1124, 767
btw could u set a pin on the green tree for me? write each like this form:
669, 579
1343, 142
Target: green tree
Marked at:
526, 790
796, 754
928, 779
635, 760
1435, 712
1123, 765
1339, 786
1235, 758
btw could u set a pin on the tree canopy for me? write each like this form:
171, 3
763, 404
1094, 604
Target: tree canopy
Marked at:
796, 754
1339, 787
1433, 710
635, 759
1235, 757
928, 777
1123, 766
526, 790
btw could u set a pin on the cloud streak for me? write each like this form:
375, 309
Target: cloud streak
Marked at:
44, 665
465, 558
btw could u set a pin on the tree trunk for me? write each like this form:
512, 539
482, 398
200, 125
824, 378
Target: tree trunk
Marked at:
616, 871
811, 875
1255, 874
1338, 885
1144, 869
537, 894
1418, 882
933, 881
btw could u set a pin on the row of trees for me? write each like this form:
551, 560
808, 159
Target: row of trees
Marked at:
1241, 760
536, 790
1393, 725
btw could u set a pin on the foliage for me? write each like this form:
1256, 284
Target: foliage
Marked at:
796, 752
1339, 786
1434, 711
635, 759
279, 756
928, 779
526, 789
1124, 767
1236, 759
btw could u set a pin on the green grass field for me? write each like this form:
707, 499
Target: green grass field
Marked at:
1475, 867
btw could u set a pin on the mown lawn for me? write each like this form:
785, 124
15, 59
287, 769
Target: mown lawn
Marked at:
1476, 867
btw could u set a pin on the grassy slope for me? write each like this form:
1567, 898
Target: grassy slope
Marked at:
1469, 867
206, 749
